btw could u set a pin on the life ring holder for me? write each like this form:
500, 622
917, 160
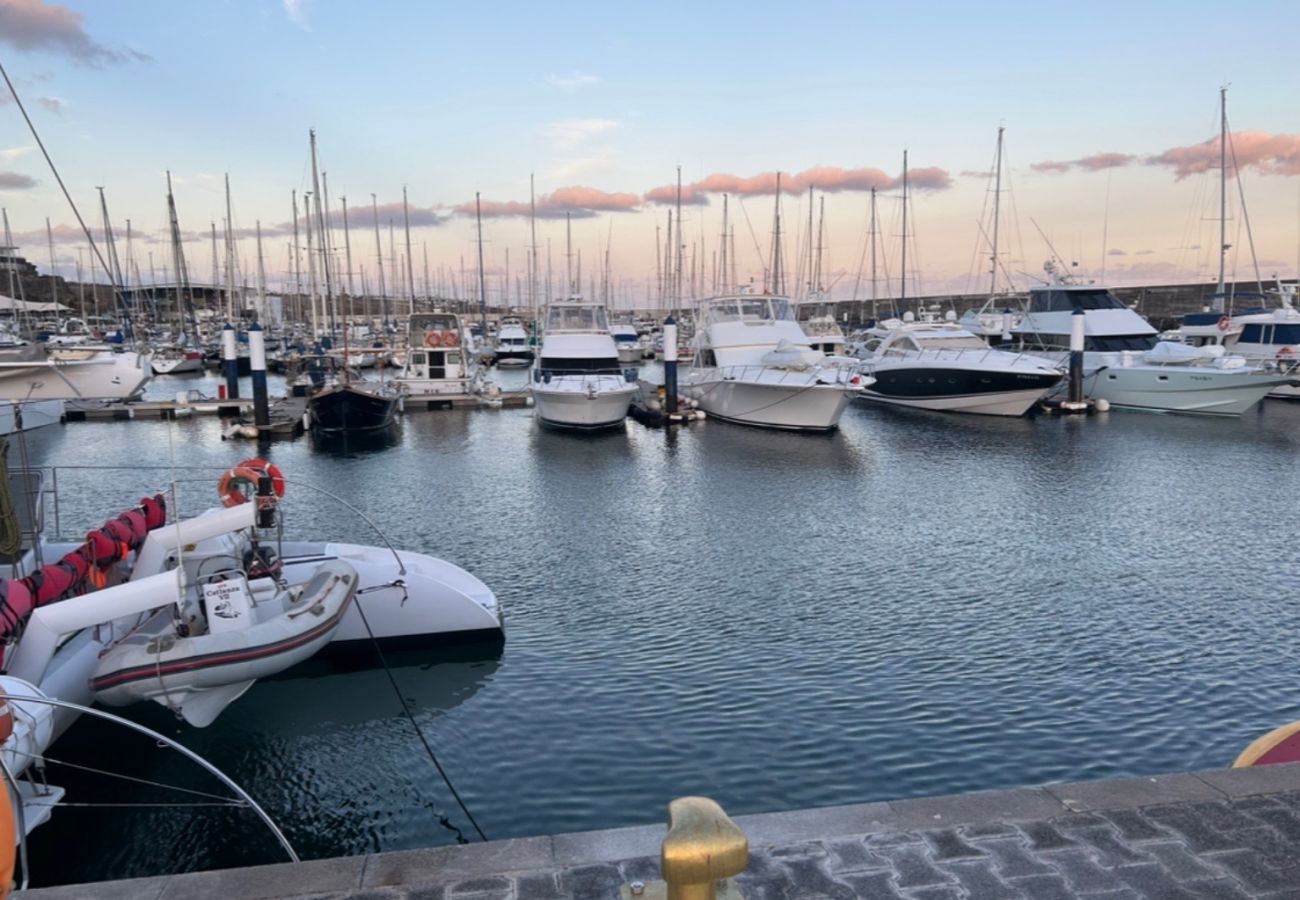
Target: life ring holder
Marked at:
247, 474
1225, 322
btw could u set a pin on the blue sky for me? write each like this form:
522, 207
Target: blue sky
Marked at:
450, 99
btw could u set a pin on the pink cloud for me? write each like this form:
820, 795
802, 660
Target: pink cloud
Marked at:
37, 25
578, 202
1094, 163
15, 181
829, 179
1271, 154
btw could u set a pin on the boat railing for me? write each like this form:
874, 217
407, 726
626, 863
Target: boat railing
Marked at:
756, 372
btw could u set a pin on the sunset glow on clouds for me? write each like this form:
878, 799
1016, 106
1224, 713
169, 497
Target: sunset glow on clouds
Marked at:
601, 106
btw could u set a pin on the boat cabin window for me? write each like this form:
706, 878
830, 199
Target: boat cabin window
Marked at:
1270, 334
1058, 300
558, 365
576, 318
751, 310
1095, 344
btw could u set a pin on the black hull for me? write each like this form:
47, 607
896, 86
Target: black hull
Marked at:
348, 408
922, 383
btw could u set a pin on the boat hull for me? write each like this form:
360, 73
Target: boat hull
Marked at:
349, 408
15, 417
953, 389
514, 358
1188, 390
177, 365
793, 404
76, 375
582, 402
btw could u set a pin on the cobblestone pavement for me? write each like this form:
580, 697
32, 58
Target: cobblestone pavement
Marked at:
1181, 836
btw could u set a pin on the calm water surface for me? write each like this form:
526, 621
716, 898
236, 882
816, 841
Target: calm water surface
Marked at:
916, 605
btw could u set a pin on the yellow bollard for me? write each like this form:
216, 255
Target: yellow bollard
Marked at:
703, 850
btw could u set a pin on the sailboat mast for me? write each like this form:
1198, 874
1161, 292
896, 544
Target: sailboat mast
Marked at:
532, 237
872, 237
54, 281
261, 276
809, 256
482, 278
722, 286
347, 258
379, 257
677, 276
297, 260
311, 269
778, 277
1223, 185
184, 306
114, 268
903, 294
997, 196
230, 256
821, 231
410, 272
328, 299
568, 257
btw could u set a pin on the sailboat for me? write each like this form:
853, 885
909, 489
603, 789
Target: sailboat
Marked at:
185, 354
990, 322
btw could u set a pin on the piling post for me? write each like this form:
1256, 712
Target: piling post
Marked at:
230, 361
670, 366
257, 365
1006, 326
1076, 356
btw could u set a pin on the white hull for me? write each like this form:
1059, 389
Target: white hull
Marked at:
629, 353
578, 401
15, 417
441, 602
97, 376
792, 401
999, 403
1202, 390
433, 388
173, 365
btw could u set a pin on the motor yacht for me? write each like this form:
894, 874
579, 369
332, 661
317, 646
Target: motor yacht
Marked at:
627, 341
753, 365
1126, 365
577, 381
942, 366
1266, 334
512, 348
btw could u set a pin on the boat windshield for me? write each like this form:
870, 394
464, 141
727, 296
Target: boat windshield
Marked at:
751, 310
1059, 300
960, 342
422, 322
576, 318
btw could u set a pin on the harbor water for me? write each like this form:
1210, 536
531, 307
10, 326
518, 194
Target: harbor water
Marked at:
918, 604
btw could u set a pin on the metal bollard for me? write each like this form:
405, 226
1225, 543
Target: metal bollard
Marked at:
702, 852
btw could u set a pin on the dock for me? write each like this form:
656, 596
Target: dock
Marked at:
1231, 833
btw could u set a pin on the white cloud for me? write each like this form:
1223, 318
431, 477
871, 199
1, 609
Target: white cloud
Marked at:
599, 164
571, 133
15, 152
571, 82
296, 10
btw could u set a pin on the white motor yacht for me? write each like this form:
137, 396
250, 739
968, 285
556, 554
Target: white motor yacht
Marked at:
1125, 364
33, 372
437, 368
577, 381
753, 365
942, 366
627, 342
513, 349
1265, 335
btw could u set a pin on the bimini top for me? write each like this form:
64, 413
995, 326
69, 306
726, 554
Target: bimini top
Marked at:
576, 318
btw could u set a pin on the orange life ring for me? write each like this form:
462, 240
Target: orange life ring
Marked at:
1285, 353
229, 487
260, 465
432, 339
451, 339
1224, 323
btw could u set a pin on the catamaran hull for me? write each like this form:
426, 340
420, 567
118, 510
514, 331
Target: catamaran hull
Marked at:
1164, 389
947, 389
790, 407
571, 408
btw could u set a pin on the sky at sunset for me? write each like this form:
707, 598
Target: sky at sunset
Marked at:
1110, 111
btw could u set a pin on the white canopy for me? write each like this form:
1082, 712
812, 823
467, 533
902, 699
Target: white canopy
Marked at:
9, 304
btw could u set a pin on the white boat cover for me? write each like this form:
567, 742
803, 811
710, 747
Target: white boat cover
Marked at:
788, 355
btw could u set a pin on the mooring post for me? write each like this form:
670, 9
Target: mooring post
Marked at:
230, 361
702, 852
257, 366
1076, 356
670, 366
1006, 325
